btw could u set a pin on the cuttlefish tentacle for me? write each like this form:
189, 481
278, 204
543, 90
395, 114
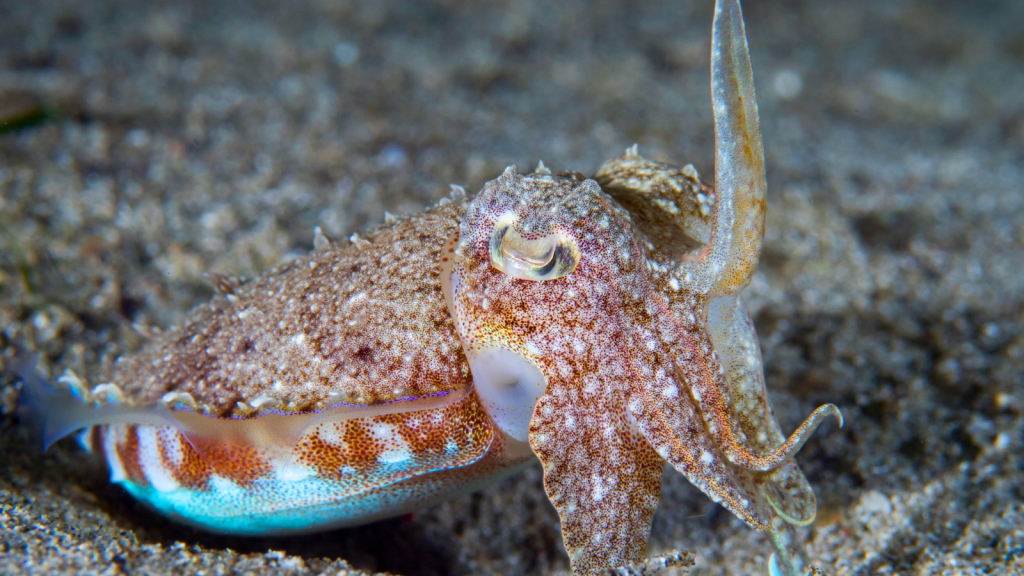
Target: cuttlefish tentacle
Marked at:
705, 378
785, 489
697, 369
728, 260
708, 380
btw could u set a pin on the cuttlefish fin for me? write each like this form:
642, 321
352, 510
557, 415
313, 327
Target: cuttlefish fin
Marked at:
55, 412
601, 475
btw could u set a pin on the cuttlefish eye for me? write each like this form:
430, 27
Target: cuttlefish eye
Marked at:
537, 259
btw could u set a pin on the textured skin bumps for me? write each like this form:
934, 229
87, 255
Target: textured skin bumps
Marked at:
598, 472
361, 322
621, 361
670, 205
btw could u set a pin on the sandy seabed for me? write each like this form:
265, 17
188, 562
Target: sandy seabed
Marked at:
157, 141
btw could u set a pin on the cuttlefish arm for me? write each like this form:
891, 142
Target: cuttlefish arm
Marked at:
725, 264
599, 473
735, 342
729, 259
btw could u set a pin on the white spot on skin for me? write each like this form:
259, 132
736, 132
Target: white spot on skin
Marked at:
382, 432
332, 434
579, 346
600, 489
397, 448
532, 349
172, 448
706, 458
225, 488
291, 472
394, 456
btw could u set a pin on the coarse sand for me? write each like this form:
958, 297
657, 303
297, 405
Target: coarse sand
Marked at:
149, 142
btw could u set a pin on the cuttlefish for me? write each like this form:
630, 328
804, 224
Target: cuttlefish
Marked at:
595, 324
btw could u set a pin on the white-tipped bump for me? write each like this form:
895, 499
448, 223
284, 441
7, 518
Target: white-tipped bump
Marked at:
320, 240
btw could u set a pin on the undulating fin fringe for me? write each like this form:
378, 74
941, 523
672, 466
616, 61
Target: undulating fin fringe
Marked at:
58, 413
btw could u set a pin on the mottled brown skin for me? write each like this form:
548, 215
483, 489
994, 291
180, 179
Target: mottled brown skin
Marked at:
348, 448
364, 320
609, 343
670, 205
598, 472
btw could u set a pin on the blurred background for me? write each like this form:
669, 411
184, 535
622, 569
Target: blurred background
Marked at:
143, 144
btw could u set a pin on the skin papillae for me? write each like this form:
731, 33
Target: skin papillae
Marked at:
593, 323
